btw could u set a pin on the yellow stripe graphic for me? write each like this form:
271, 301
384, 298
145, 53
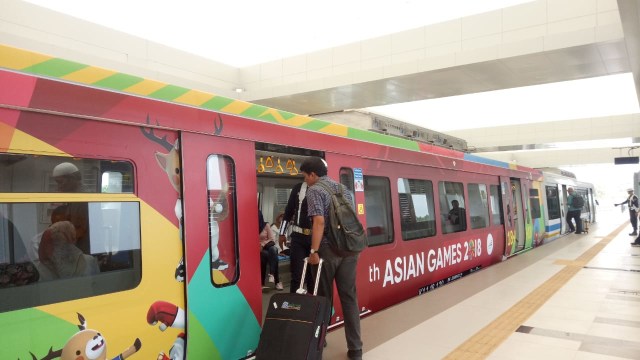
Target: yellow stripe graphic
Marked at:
145, 87
89, 75
335, 129
236, 107
13, 58
194, 97
27, 144
297, 120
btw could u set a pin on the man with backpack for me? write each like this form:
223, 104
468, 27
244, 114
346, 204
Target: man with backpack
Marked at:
575, 203
340, 268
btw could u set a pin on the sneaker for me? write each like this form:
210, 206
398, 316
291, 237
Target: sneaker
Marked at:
633, 234
279, 286
219, 265
180, 272
354, 354
271, 279
635, 243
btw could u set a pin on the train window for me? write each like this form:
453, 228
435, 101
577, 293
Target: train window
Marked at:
53, 252
534, 203
553, 202
478, 205
417, 213
496, 205
377, 198
346, 179
452, 207
49, 174
585, 196
223, 240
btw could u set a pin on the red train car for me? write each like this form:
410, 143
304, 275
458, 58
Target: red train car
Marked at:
170, 194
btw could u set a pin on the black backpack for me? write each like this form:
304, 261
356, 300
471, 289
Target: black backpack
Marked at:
345, 232
578, 202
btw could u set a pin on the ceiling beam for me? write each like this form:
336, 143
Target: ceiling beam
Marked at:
630, 18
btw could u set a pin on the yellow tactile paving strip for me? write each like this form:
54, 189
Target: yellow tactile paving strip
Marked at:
485, 341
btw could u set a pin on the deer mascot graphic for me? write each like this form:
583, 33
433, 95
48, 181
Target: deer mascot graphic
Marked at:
88, 344
170, 163
161, 312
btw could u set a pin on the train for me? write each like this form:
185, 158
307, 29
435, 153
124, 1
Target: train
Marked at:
163, 245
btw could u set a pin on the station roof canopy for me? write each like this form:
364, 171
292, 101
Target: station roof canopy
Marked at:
540, 83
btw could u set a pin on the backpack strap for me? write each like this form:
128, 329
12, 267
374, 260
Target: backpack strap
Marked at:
301, 194
326, 187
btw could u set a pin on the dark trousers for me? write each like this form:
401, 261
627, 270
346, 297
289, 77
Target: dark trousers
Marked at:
575, 215
300, 247
342, 270
633, 217
269, 256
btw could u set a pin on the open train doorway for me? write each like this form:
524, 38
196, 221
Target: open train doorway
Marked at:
277, 172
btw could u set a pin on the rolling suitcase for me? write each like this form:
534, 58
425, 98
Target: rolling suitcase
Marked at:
295, 325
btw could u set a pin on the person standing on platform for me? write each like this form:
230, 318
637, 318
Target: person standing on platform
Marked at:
295, 218
341, 269
573, 212
632, 203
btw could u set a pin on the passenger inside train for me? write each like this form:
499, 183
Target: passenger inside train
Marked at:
268, 254
60, 245
60, 257
457, 216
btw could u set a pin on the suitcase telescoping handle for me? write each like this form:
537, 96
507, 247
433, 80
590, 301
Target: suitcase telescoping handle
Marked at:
301, 289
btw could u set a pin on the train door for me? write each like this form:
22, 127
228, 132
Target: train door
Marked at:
592, 206
564, 208
219, 229
273, 194
519, 214
278, 172
513, 214
527, 196
535, 221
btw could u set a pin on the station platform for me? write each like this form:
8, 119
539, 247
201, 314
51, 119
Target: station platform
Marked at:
575, 298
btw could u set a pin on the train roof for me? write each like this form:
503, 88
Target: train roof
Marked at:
20, 61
